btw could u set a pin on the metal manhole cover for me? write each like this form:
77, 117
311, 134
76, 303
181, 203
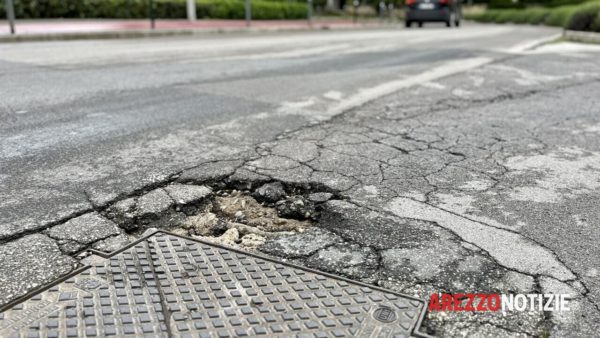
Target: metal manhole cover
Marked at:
170, 286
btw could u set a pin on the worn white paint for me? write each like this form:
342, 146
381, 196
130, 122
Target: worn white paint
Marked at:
508, 248
565, 173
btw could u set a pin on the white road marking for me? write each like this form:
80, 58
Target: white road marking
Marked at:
365, 95
508, 248
433, 85
333, 95
529, 45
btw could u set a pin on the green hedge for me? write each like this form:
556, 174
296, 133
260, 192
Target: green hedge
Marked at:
558, 3
261, 10
596, 24
504, 4
166, 9
584, 17
532, 16
560, 16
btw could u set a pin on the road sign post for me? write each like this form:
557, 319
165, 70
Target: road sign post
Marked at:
309, 11
248, 12
191, 10
151, 13
10, 15
355, 4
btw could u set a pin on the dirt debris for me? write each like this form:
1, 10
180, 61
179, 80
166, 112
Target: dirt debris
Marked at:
204, 224
238, 218
245, 209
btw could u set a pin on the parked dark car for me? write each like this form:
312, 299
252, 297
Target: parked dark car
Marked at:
420, 11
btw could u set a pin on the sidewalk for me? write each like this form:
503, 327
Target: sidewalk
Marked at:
58, 29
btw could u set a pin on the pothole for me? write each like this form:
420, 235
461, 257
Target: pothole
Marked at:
236, 218
243, 219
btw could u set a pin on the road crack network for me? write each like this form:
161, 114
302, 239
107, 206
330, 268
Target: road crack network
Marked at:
411, 192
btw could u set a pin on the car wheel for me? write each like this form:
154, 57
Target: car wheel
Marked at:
407, 24
457, 23
448, 24
420, 24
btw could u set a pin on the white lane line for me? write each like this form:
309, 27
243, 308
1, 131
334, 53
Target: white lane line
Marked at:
365, 95
509, 248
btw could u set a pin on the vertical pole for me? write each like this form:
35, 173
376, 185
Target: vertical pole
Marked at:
10, 15
355, 4
248, 12
309, 11
191, 10
151, 14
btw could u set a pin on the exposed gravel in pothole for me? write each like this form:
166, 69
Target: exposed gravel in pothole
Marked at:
244, 219
235, 218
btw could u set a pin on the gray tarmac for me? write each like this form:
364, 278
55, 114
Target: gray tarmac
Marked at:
450, 160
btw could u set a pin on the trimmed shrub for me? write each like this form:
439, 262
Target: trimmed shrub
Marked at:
559, 17
559, 3
491, 15
506, 16
532, 16
596, 24
279, 10
537, 16
503, 4
584, 17
164, 9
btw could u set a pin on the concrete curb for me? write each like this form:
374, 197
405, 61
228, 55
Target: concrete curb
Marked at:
148, 33
577, 36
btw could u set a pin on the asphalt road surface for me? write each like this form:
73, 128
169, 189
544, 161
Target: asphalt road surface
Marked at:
468, 159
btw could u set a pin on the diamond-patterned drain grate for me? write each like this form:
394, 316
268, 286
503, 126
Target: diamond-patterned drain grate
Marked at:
170, 286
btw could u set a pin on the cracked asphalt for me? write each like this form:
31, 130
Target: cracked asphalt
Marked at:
438, 160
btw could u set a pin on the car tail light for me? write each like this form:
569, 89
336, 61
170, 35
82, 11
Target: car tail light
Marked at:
444, 2
410, 2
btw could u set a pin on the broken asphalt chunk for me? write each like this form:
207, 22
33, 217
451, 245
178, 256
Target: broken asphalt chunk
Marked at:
153, 204
79, 232
320, 197
302, 244
270, 192
210, 172
296, 207
184, 194
29, 262
111, 244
